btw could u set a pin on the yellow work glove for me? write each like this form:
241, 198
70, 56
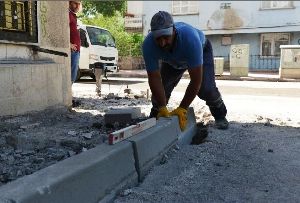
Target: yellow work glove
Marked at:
163, 112
181, 113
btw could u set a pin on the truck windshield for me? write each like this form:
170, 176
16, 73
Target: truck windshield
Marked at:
100, 37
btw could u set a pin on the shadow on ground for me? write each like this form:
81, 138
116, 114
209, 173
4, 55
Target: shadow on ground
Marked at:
109, 81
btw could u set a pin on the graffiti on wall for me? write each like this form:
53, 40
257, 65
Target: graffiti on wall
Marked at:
237, 52
43, 18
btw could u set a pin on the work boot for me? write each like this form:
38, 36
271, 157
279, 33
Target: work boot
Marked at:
222, 123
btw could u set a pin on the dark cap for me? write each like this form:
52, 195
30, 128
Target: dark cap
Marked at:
162, 24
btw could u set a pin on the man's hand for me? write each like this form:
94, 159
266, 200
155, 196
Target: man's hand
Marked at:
73, 47
182, 117
163, 112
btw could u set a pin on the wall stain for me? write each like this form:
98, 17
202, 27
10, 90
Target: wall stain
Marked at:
232, 19
225, 19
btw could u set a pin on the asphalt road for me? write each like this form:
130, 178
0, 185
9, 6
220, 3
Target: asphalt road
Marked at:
257, 88
244, 97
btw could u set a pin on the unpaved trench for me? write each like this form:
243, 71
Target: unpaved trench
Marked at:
36, 140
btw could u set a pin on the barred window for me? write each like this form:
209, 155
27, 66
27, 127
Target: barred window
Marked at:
276, 4
184, 7
18, 21
270, 43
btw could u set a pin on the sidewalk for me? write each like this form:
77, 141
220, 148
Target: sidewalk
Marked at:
252, 76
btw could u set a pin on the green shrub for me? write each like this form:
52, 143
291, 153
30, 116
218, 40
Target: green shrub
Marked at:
128, 44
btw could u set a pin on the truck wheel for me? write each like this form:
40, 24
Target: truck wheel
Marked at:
78, 75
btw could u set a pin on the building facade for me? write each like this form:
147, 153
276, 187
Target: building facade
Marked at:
34, 56
264, 25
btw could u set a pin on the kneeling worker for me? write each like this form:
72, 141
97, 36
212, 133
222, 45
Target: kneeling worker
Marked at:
169, 50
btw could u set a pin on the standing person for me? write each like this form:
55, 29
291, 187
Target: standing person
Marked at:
169, 50
74, 7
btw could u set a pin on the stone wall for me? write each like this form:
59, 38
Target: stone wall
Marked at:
131, 63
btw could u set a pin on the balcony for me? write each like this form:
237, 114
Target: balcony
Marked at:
134, 23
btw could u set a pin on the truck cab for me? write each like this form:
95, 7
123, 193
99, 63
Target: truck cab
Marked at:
98, 50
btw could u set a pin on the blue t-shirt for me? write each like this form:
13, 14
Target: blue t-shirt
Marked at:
187, 51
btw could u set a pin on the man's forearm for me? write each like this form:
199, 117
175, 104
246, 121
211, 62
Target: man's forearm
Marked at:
190, 94
157, 88
193, 87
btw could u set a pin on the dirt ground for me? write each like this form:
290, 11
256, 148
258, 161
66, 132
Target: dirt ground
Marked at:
252, 161
256, 159
36, 140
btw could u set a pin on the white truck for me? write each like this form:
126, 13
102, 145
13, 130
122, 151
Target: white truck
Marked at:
98, 50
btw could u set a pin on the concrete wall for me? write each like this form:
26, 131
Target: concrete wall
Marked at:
242, 17
244, 22
135, 7
33, 80
256, 62
246, 15
131, 63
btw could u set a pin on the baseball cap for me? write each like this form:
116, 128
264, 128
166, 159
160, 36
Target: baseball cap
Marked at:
75, 1
162, 24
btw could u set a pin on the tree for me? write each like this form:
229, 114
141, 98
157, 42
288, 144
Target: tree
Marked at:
128, 44
106, 8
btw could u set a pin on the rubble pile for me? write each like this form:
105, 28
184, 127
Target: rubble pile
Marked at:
36, 140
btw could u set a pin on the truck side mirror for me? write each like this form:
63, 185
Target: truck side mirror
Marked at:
83, 38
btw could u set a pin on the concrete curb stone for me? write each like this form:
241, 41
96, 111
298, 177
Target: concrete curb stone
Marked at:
152, 143
98, 174
122, 115
185, 137
87, 177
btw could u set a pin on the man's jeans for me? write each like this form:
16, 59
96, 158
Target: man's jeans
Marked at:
74, 65
208, 91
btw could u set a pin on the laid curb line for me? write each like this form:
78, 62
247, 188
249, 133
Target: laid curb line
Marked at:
186, 137
99, 173
150, 145
82, 178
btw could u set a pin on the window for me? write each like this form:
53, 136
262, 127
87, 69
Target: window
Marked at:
18, 21
225, 5
100, 37
184, 7
276, 4
270, 43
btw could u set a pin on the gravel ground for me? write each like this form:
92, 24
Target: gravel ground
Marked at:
255, 160
36, 140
